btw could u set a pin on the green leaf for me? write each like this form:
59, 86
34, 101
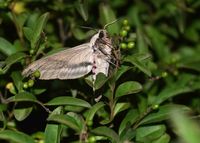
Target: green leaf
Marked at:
138, 64
22, 113
171, 91
23, 97
38, 28
16, 136
149, 133
17, 78
66, 120
28, 32
163, 113
116, 75
107, 15
187, 129
63, 100
163, 139
105, 131
80, 34
79, 120
81, 6
93, 110
99, 82
159, 42
142, 104
128, 87
6, 47
53, 131
120, 71
127, 135
130, 118
141, 41
119, 107
16, 57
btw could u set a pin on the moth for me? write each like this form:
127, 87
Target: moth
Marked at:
92, 57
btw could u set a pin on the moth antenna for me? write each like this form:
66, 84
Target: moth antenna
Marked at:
90, 28
108, 24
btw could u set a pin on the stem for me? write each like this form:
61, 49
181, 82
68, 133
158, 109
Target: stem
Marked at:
18, 27
46, 109
61, 31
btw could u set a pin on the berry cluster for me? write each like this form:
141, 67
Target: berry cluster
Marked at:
124, 33
31, 82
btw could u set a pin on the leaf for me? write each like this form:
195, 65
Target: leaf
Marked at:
128, 87
93, 110
117, 74
130, 118
53, 131
159, 42
107, 15
63, 100
6, 47
163, 139
121, 71
66, 120
28, 32
100, 81
38, 28
187, 129
138, 64
16, 136
149, 133
171, 91
127, 135
22, 113
81, 6
119, 107
22, 97
163, 113
80, 34
13, 59
79, 120
105, 131
17, 78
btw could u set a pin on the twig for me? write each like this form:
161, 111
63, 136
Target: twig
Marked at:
61, 31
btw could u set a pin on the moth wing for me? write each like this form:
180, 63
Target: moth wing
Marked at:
68, 64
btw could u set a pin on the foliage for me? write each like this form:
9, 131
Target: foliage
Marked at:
159, 72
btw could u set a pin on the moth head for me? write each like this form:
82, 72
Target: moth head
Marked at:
102, 34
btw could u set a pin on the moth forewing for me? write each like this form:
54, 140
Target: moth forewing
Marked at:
68, 64
76, 62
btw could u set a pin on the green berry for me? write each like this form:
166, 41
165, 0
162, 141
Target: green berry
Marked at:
25, 85
125, 22
123, 45
32, 51
123, 33
127, 28
156, 106
30, 83
36, 74
164, 74
92, 139
131, 45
